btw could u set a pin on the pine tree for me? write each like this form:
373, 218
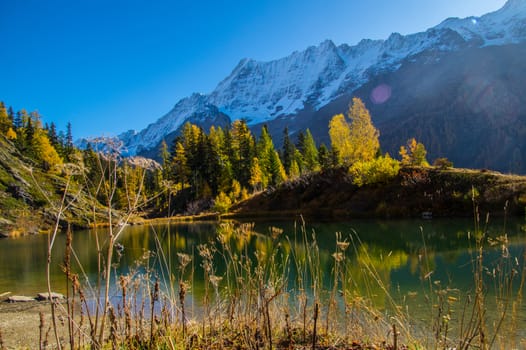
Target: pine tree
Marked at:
310, 153
17, 122
52, 134
212, 171
300, 141
11, 115
288, 151
294, 171
69, 147
324, 157
220, 142
180, 165
277, 172
5, 123
243, 151
165, 157
257, 180
298, 159
29, 132
265, 150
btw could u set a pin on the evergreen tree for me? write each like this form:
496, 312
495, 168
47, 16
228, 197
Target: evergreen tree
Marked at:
69, 146
324, 157
243, 151
53, 138
165, 157
17, 122
11, 115
300, 141
212, 171
181, 170
277, 172
5, 123
288, 151
257, 179
298, 159
29, 132
220, 142
294, 171
310, 153
265, 150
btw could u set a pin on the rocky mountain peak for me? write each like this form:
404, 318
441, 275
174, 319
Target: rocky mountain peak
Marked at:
262, 92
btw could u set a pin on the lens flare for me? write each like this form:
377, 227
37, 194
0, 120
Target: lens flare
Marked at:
381, 94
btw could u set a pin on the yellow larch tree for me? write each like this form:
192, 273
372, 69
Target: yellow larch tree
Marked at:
356, 139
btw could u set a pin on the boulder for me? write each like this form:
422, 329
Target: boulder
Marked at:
47, 296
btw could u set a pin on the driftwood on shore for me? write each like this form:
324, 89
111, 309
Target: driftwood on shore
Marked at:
39, 297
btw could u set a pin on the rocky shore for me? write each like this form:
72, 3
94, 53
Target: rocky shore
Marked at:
25, 321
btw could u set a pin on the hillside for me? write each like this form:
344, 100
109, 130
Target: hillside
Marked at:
30, 198
444, 192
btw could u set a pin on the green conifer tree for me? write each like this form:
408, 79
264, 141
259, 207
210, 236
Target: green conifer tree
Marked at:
310, 153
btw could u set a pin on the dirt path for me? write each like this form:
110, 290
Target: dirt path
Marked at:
20, 324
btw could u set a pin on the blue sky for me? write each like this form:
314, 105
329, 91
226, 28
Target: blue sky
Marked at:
112, 65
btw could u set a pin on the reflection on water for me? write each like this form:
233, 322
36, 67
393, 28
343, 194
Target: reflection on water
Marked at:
405, 262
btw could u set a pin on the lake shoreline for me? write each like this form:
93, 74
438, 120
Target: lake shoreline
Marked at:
20, 323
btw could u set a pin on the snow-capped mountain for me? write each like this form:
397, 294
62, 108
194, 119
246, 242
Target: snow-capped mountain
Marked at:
262, 92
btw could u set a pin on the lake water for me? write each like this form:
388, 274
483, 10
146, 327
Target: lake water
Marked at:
405, 261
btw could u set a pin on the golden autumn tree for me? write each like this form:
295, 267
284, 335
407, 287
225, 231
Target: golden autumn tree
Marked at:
4, 119
414, 154
356, 139
11, 134
44, 150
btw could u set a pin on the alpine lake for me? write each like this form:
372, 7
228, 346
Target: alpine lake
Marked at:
398, 264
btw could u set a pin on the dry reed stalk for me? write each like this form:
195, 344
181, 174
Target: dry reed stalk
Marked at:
314, 327
154, 296
2, 347
41, 330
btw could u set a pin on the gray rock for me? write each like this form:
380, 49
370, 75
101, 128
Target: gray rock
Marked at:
19, 299
47, 296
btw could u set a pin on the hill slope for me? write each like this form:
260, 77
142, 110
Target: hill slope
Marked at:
415, 190
30, 198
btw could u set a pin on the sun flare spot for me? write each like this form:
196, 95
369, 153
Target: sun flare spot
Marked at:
381, 94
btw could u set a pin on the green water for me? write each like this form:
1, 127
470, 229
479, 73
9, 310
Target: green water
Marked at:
411, 259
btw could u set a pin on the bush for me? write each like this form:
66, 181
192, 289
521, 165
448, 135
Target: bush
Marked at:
377, 170
443, 163
222, 203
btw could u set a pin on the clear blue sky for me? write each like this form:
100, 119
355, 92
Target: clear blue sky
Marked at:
112, 65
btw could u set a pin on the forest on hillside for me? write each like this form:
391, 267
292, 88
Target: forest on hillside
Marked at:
202, 170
